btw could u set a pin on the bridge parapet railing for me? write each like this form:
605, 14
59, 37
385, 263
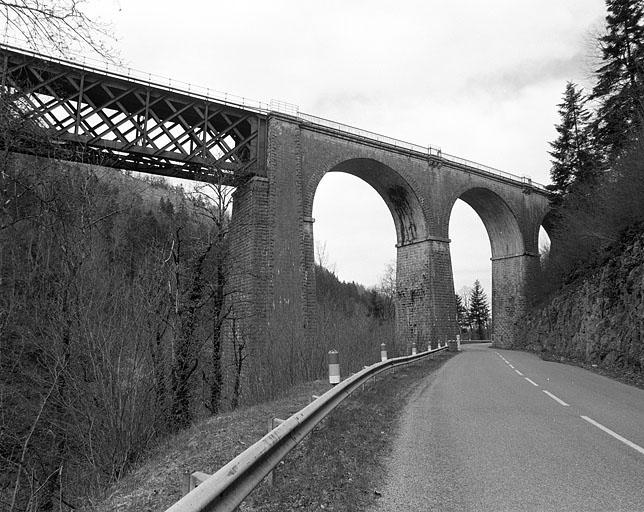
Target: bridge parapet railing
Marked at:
427, 150
119, 71
492, 170
178, 86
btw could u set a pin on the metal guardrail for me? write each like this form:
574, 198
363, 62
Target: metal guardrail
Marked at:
229, 486
290, 109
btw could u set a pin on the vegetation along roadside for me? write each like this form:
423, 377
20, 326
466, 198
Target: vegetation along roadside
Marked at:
339, 466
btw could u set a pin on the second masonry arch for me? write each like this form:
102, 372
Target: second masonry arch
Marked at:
424, 283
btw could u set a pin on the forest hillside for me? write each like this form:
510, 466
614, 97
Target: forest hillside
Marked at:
587, 301
113, 293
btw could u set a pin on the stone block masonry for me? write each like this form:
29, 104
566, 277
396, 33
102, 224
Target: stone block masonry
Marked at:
425, 302
275, 251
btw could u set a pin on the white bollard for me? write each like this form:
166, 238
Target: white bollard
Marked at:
413, 348
383, 352
334, 367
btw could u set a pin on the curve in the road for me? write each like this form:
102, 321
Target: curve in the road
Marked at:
523, 435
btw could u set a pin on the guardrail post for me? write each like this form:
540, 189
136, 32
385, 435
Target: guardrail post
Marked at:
334, 367
383, 352
192, 480
274, 422
240, 476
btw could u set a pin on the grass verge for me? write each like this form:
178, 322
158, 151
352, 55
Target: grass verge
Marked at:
339, 466
156, 482
628, 376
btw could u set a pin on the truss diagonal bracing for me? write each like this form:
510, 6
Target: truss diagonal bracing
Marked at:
117, 121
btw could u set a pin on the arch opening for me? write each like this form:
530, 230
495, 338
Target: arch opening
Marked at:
354, 231
402, 201
503, 245
470, 254
500, 223
406, 250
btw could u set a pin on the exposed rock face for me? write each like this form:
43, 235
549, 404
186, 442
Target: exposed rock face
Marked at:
598, 319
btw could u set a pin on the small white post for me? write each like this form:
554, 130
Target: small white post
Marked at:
334, 367
383, 352
413, 348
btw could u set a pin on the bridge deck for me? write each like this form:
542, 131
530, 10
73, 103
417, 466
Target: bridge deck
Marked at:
121, 122
126, 122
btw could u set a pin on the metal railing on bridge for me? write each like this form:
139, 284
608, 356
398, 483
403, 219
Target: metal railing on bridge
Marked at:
429, 150
289, 109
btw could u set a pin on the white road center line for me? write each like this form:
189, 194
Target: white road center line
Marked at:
556, 399
531, 382
518, 373
614, 434
511, 366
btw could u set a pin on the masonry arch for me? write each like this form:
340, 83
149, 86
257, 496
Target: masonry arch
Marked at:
508, 255
399, 196
418, 269
547, 224
501, 224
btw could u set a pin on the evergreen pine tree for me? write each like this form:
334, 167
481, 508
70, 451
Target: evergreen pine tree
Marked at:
572, 156
461, 312
620, 78
479, 312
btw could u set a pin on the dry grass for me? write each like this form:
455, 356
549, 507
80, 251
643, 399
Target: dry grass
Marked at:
157, 482
339, 466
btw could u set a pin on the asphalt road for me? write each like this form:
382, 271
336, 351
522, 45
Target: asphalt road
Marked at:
503, 430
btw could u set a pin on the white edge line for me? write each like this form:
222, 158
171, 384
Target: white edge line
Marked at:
556, 399
531, 382
518, 373
614, 434
511, 366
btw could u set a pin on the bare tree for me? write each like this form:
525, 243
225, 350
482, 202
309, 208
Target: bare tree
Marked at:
59, 26
215, 203
322, 257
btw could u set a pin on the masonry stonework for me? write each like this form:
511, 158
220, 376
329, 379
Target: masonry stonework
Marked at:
425, 302
420, 192
248, 281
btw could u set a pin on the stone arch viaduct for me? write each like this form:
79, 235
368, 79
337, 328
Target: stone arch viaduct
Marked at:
274, 212
122, 120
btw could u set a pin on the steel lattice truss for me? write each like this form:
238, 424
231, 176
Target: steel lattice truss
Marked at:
120, 122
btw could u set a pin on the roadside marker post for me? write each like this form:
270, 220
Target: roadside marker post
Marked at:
383, 352
334, 367
413, 348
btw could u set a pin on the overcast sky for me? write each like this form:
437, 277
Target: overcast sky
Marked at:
480, 79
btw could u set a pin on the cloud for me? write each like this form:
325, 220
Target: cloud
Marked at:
513, 80
342, 101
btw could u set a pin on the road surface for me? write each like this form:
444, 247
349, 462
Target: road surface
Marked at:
503, 430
